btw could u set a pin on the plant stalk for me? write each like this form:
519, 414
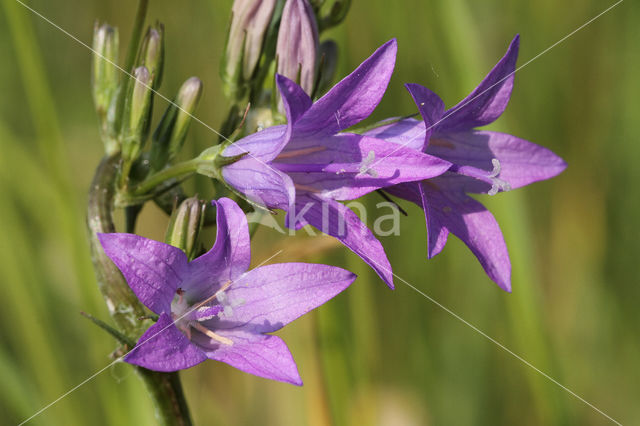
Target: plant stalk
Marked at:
164, 388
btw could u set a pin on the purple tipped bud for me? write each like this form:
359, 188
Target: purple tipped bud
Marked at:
249, 23
137, 114
151, 53
297, 48
185, 225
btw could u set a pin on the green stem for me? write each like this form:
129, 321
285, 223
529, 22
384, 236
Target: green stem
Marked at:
173, 172
164, 388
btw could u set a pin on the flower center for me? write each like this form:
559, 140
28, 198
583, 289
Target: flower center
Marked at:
188, 316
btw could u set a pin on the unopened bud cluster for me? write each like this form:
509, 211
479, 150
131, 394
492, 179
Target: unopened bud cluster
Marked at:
278, 36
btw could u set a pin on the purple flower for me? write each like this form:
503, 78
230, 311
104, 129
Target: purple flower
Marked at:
484, 162
213, 307
305, 166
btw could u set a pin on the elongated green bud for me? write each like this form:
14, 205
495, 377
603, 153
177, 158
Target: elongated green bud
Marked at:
136, 114
245, 42
185, 225
105, 76
151, 53
169, 137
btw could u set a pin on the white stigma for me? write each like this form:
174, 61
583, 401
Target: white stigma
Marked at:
366, 164
497, 183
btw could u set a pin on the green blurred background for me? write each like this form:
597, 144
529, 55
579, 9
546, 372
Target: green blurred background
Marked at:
371, 356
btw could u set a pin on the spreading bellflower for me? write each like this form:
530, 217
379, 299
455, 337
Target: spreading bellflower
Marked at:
213, 307
305, 166
484, 162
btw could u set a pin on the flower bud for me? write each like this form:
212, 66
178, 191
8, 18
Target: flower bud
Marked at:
136, 114
185, 225
105, 74
151, 53
249, 23
297, 48
172, 130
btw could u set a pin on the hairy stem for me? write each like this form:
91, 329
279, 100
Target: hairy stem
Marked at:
164, 388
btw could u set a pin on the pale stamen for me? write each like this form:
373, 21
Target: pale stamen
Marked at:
303, 151
201, 328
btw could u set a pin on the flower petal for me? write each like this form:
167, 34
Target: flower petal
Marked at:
296, 101
470, 221
354, 98
408, 132
430, 106
153, 270
261, 355
337, 220
487, 101
267, 298
260, 183
414, 192
164, 348
521, 162
348, 166
229, 257
264, 145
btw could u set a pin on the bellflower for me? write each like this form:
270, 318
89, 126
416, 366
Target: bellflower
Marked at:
484, 162
214, 307
305, 166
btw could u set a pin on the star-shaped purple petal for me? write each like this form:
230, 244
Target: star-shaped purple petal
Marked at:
213, 307
483, 162
324, 163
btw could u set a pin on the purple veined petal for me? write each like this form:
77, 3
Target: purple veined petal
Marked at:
414, 192
267, 298
261, 355
164, 348
335, 219
261, 183
153, 270
520, 162
296, 102
353, 99
487, 101
348, 166
229, 257
470, 221
264, 145
430, 106
409, 133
